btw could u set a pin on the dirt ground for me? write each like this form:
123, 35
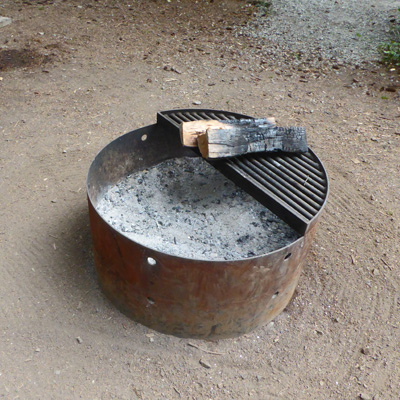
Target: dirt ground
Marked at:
77, 74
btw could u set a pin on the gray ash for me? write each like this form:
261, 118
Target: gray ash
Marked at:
185, 207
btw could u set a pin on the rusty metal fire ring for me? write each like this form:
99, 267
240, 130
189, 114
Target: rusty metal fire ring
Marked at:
197, 298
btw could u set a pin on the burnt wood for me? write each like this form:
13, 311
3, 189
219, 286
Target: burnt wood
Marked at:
250, 136
190, 130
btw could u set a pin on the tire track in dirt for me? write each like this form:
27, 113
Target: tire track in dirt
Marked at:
20, 269
380, 365
328, 301
26, 296
48, 265
371, 309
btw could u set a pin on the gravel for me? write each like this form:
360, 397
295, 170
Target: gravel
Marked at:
186, 208
316, 31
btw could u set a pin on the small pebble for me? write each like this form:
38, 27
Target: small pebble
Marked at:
366, 351
79, 340
364, 396
204, 364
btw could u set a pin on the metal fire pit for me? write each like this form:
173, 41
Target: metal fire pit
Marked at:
197, 298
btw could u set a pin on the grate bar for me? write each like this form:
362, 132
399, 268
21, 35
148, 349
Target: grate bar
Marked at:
307, 158
191, 117
226, 117
291, 186
294, 179
306, 165
306, 174
213, 116
206, 116
183, 117
175, 118
263, 194
197, 116
277, 189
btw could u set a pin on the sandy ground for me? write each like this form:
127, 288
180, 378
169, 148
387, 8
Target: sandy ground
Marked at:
74, 76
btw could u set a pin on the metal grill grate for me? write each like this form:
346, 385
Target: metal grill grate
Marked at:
175, 117
294, 187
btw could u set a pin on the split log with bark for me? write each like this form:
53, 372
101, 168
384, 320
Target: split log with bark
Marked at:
219, 139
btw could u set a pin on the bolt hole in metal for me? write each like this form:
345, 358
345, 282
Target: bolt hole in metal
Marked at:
151, 261
144, 138
275, 295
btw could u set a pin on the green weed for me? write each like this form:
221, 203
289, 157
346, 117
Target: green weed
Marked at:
390, 51
264, 6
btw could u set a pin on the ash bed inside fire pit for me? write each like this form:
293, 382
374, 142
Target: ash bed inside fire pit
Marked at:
187, 208
157, 265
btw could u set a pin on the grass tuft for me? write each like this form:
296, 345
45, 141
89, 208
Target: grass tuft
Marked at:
390, 51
